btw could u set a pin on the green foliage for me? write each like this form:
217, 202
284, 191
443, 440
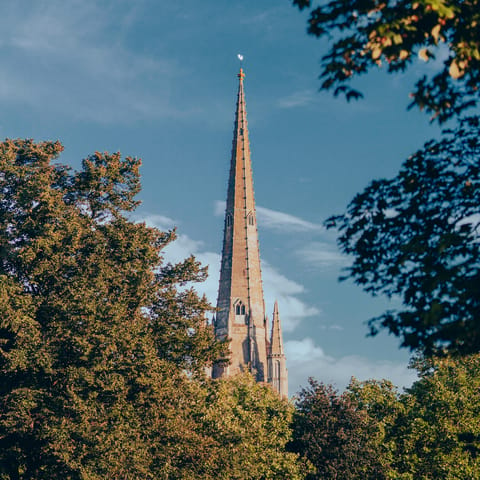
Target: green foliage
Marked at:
437, 435
380, 402
366, 34
430, 432
416, 237
251, 426
97, 335
103, 347
339, 434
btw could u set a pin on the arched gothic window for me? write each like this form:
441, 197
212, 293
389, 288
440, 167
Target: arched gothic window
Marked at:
240, 312
240, 309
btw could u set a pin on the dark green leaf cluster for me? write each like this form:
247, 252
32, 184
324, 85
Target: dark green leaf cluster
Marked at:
336, 436
365, 34
416, 237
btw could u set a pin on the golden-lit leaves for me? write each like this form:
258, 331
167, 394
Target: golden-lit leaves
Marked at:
87, 312
454, 70
424, 54
377, 33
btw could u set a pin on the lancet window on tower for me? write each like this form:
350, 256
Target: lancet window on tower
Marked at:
228, 220
276, 375
240, 312
240, 309
250, 219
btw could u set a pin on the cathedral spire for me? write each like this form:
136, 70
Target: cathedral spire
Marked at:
241, 311
240, 316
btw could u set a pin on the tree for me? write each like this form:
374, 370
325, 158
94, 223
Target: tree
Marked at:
365, 34
99, 340
437, 434
251, 426
337, 435
381, 401
415, 238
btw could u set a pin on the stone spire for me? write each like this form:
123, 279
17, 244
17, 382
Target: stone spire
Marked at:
241, 310
277, 364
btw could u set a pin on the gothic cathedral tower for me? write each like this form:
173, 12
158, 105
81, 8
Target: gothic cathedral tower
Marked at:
240, 306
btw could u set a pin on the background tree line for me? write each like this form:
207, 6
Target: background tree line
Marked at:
373, 431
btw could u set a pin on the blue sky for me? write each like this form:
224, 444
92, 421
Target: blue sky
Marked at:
157, 80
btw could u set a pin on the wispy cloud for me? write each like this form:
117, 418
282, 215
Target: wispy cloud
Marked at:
68, 58
276, 220
306, 359
298, 99
310, 98
322, 254
331, 327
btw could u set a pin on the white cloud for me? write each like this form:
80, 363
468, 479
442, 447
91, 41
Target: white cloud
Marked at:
183, 247
291, 309
158, 221
276, 220
298, 99
306, 359
219, 208
321, 254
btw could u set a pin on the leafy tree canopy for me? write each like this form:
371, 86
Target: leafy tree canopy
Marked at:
96, 332
366, 34
251, 426
429, 432
336, 435
416, 238
437, 432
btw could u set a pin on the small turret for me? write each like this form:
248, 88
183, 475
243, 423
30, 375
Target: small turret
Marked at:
277, 362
